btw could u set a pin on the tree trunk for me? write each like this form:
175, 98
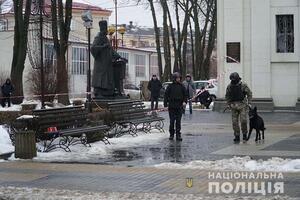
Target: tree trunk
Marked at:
192, 48
20, 47
157, 39
197, 40
211, 41
178, 36
61, 17
175, 67
167, 55
184, 56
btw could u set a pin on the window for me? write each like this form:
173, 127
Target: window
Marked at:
125, 55
3, 25
154, 66
79, 60
285, 33
140, 65
233, 52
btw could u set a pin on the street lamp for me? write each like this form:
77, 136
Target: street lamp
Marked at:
38, 10
88, 23
111, 30
122, 30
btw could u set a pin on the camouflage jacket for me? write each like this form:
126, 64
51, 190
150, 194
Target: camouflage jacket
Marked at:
245, 90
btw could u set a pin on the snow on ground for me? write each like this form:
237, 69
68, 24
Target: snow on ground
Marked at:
239, 164
12, 108
80, 153
5, 143
37, 193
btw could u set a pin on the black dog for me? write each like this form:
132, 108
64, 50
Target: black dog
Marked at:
257, 123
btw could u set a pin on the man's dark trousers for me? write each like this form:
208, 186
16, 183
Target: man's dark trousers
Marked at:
175, 115
154, 99
5, 98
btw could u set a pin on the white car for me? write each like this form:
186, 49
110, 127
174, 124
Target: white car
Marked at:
132, 91
210, 85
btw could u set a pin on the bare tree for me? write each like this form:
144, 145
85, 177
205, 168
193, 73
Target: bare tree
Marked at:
22, 10
166, 41
157, 38
61, 21
34, 80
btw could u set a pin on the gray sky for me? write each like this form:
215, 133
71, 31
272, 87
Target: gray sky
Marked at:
127, 12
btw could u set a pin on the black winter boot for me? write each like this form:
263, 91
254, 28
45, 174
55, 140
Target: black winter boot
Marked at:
178, 138
245, 138
236, 139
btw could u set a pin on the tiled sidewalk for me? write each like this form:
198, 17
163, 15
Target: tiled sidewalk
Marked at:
101, 178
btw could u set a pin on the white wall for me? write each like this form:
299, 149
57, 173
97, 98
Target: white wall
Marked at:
253, 23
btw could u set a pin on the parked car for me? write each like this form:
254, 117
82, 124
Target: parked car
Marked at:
210, 85
163, 89
132, 91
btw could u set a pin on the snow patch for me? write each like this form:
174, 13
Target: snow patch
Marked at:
5, 142
12, 108
98, 150
25, 117
50, 193
239, 164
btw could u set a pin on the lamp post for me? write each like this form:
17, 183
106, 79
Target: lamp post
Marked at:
39, 11
116, 24
122, 30
88, 23
41, 5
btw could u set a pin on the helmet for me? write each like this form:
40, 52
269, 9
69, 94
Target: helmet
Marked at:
234, 76
175, 75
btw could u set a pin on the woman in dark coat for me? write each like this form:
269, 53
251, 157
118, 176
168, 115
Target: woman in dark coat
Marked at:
7, 89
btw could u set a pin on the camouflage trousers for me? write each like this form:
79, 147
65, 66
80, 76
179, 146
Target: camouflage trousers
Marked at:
239, 112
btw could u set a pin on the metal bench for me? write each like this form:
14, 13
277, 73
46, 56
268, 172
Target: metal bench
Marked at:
131, 117
72, 124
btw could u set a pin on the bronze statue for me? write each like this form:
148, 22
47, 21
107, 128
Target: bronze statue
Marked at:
106, 77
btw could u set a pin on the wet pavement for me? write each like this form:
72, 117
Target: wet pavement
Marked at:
128, 173
208, 136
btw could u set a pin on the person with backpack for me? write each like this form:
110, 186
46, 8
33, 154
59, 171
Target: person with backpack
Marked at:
238, 96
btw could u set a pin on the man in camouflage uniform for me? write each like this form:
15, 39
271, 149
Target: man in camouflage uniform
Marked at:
238, 96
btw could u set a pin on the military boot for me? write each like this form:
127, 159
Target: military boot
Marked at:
178, 137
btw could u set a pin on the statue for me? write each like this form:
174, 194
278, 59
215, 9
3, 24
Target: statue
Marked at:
106, 73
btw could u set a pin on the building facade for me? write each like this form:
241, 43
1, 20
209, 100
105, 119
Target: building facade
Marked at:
142, 63
260, 40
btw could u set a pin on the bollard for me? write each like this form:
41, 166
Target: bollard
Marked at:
25, 147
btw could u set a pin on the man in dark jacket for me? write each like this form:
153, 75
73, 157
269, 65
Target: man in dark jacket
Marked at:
204, 97
7, 89
175, 99
154, 87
